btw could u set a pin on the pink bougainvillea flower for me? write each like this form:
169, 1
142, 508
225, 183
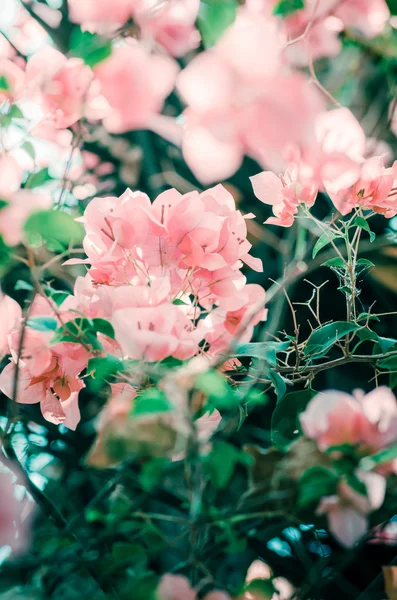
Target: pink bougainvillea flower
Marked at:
65, 87
100, 14
14, 519
367, 17
177, 587
12, 80
284, 193
347, 512
236, 114
375, 189
47, 374
135, 83
368, 421
170, 23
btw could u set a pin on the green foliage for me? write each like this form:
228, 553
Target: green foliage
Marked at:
91, 47
285, 426
222, 461
315, 483
149, 402
214, 18
43, 323
287, 7
361, 222
325, 239
83, 331
38, 179
103, 369
322, 340
392, 4
54, 228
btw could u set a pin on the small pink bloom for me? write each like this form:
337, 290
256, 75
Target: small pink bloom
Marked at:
347, 512
135, 83
284, 193
170, 23
65, 87
13, 522
367, 420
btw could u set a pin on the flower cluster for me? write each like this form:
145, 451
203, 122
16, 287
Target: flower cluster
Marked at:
167, 276
170, 24
358, 426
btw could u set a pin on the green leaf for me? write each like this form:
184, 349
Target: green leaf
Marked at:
214, 385
321, 340
315, 483
389, 364
39, 178
287, 7
53, 225
104, 327
179, 302
222, 461
152, 472
92, 48
83, 331
214, 18
102, 369
364, 262
3, 203
279, 383
324, 239
4, 85
29, 149
336, 262
263, 350
23, 285
128, 554
150, 401
43, 323
381, 457
15, 112
285, 427
361, 222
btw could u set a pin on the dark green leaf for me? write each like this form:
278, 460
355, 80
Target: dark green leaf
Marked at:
285, 426
263, 350
3, 203
323, 339
287, 7
336, 262
4, 85
315, 483
92, 48
179, 302
222, 461
150, 401
323, 241
103, 369
361, 222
